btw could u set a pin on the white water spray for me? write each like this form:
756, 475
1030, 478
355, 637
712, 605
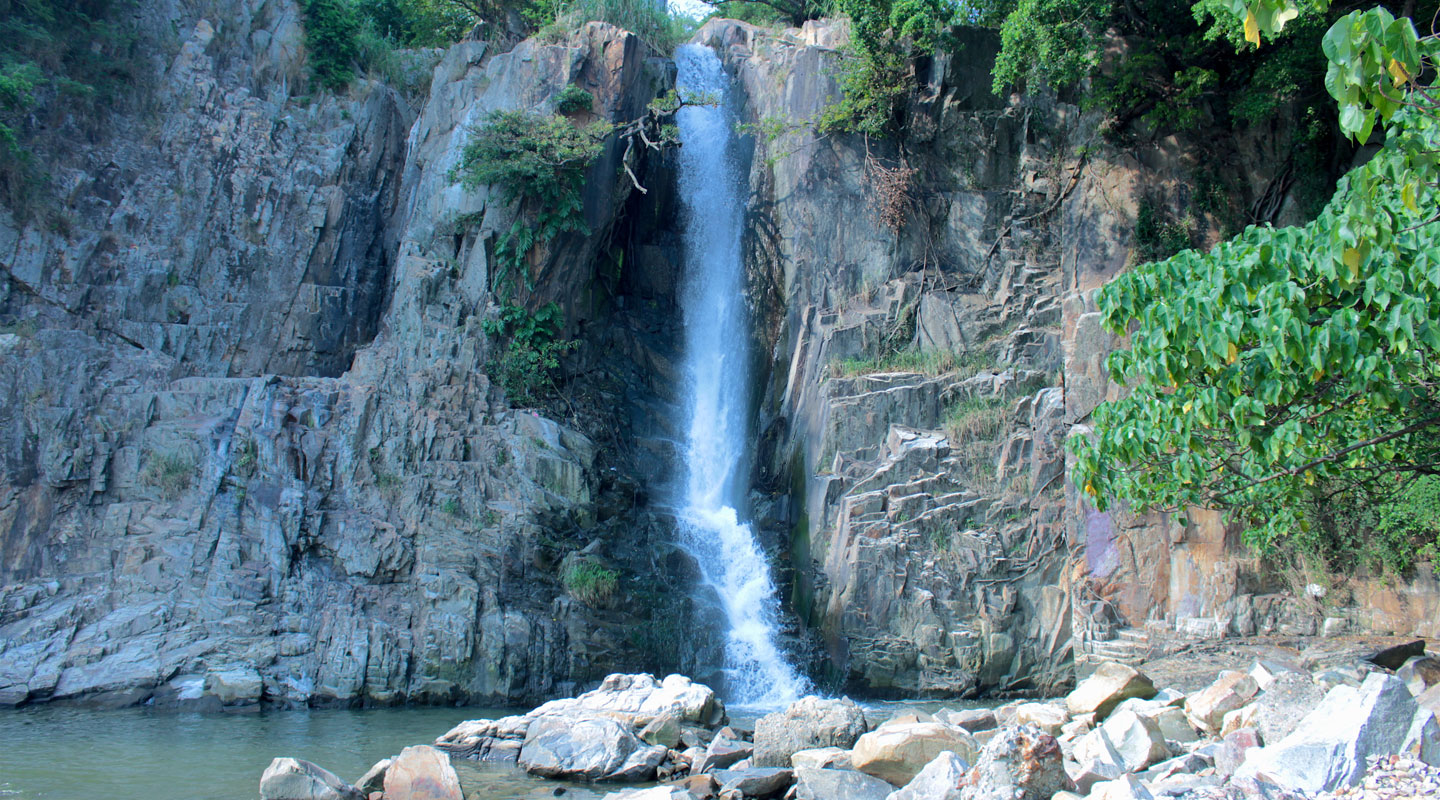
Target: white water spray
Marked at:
716, 391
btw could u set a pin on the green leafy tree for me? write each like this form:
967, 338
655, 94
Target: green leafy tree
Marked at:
331, 28
1287, 367
1055, 41
538, 161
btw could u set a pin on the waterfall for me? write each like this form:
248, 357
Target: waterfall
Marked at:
716, 391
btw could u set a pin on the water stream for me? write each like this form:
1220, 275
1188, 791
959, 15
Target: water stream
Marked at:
716, 390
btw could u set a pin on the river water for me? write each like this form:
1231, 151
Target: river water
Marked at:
135, 754
59, 753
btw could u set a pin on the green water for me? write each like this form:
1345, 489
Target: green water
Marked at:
57, 753
134, 754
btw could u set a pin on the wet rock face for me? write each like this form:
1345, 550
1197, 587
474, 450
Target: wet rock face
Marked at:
249, 453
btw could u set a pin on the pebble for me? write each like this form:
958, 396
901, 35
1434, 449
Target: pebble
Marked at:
1392, 778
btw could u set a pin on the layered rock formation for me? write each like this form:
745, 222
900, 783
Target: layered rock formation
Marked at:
249, 449
936, 545
249, 452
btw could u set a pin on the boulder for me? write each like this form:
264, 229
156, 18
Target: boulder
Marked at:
1395, 656
1280, 708
971, 719
1329, 748
1175, 726
641, 698
293, 779
1208, 707
1096, 760
1045, 716
1021, 763
897, 753
702, 787
588, 748
822, 758
1234, 749
1107, 687
838, 784
1126, 787
374, 778
939, 780
724, 751
1419, 674
808, 723
757, 781
422, 773
1137, 739
664, 730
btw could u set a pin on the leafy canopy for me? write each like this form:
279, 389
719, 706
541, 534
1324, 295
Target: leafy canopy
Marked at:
1287, 366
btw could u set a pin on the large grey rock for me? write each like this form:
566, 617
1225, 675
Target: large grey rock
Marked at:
1289, 698
837, 784
1107, 687
941, 779
1137, 739
723, 751
1329, 748
422, 773
897, 753
293, 779
1018, 763
641, 698
756, 782
587, 748
808, 723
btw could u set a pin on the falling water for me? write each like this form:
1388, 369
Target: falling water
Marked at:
717, 388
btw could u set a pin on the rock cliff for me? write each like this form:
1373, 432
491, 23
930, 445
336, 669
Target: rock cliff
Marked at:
249, 449
249, 452
936, 546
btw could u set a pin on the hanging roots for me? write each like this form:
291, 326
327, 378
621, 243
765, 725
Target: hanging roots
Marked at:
890, 188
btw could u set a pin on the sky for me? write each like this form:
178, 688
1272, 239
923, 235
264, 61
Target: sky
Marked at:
690, 8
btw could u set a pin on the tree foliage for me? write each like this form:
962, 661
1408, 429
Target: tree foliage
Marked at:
331, 28
1290, 366
538, 161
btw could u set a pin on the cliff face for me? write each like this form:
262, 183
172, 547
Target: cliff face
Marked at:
248, 446
935, 543
248, 449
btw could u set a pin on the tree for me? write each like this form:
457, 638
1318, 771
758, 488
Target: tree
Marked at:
1289, 366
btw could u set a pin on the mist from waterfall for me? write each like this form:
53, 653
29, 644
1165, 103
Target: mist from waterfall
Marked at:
716, 391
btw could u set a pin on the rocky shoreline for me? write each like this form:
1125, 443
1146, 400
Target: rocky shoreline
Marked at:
1363, 729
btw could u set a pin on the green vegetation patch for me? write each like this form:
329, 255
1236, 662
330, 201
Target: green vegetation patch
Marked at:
590, 583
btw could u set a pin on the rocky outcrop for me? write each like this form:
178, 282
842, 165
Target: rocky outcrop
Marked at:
935, 544
250, 453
